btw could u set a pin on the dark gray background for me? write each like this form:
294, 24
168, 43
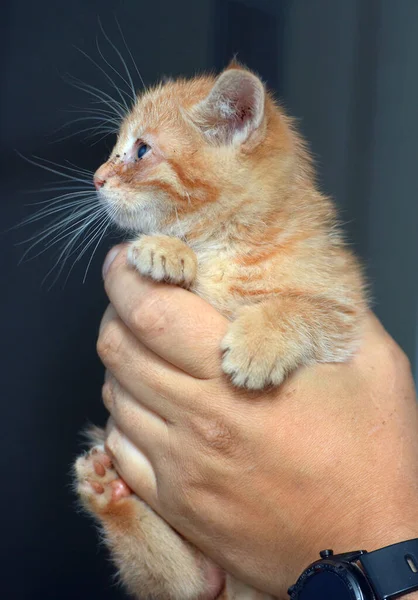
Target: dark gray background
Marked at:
346, 69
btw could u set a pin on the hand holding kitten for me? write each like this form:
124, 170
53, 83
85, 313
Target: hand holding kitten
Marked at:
258, 481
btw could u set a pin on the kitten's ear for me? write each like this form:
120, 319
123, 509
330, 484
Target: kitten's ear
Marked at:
235, 64
233, 109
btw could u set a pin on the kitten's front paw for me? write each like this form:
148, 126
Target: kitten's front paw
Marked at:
253, 354
163, 258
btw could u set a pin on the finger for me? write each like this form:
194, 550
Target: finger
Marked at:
161, 386
146, 430
132, 465
110, 314
174, 323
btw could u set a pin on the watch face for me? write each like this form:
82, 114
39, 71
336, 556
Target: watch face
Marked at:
326, 586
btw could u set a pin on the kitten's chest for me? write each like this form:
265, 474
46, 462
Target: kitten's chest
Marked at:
216, 273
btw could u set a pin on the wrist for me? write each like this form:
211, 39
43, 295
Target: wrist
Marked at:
388, 572
377, 531
384, 515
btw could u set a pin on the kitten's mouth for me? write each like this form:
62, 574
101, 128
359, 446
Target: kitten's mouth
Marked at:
137, 216
123, 218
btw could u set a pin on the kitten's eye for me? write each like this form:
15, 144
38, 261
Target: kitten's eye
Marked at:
143, 149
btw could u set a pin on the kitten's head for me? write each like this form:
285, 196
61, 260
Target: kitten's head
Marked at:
191, 148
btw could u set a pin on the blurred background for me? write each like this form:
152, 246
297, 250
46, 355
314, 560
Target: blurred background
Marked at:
346, 69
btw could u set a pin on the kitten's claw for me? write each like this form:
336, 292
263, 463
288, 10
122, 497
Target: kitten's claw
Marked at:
163, 258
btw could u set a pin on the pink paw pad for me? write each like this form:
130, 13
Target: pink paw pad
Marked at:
97, 487
120, 489
98, 479
99, 468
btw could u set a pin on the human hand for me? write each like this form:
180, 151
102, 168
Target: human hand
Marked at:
258, 481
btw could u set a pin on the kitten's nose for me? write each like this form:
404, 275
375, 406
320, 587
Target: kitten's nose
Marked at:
98, 183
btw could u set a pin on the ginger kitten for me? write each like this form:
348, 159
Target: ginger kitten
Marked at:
217, 186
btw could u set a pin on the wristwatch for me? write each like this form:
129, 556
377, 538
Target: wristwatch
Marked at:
390, 572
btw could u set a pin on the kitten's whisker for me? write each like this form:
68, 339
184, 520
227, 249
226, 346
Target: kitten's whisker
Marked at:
100, 138
93, 111
88, 172
48, 211
60, 221
108, 77
122, 61
104, 117
89, 118
92, 236
102, 220
102, 97
64, 185
94, 250
130, 54
65, 254
59, 212
51, 170
61, 188
54, 225
96, 131
100, 101
101, 130
74, 232
67, 250
57, 224
56, 199
129, 86
74, 168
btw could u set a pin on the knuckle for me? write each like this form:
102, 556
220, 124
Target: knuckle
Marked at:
391, 352
148, 318
216, 435
109, 344
400, 359
117, 264
108, 395
393, 360
398, 354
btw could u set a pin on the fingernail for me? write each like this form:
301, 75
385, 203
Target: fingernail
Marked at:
112, 254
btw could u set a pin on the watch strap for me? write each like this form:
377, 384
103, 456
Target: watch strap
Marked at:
392, 571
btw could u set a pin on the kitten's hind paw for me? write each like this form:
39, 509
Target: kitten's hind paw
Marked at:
98, 484
153, 561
